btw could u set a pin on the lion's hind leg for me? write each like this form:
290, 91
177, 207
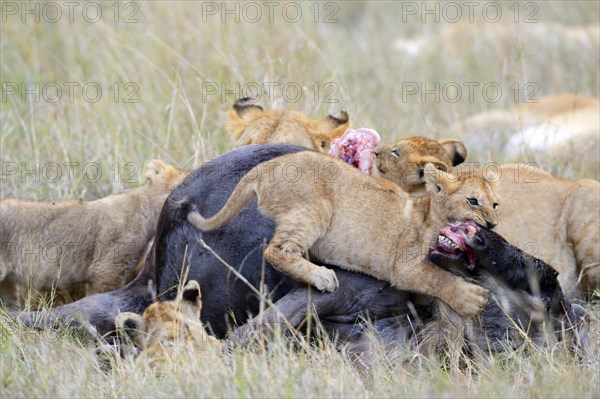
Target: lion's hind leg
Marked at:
287, 249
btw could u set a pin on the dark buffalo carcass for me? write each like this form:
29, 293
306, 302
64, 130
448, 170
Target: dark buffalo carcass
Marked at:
526, 304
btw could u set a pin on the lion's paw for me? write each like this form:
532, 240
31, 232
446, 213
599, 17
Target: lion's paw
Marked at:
156, 170
324, 279
469, 299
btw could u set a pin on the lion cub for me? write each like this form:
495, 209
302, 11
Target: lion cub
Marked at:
573, 242
403, 161
77, 248
167, 328
327, 209
249, 124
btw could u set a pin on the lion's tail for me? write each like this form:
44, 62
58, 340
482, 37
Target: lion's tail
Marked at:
243, 193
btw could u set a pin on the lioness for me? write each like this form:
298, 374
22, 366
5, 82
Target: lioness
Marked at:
554, 218
166, 328
342, 217
64, 246
249, 124
549, 131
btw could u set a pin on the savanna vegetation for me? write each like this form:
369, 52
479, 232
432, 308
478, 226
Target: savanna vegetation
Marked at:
88, 100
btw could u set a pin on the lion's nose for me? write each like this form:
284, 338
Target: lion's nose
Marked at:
377, 153
490, 224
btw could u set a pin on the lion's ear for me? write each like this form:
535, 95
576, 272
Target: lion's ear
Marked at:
436, 162
190, 300
131, 326
492, 178
432, 179
437, 181
339, 122
456, 149
246, 109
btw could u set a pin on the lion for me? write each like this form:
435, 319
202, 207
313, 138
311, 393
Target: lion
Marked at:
166, 329
76, 248
553, 218
455, 39
327, 209
403, 161
562, 226
248, 123
548, 131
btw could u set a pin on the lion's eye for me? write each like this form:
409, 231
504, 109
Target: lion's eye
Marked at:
495, 205
395, 153
473, 201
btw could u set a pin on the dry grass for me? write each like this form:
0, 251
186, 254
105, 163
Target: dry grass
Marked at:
172, 56
55, 364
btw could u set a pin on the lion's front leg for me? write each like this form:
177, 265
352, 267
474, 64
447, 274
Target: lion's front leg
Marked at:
466, 299
286, 251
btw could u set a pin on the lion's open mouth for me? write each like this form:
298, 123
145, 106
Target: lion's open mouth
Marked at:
453, 242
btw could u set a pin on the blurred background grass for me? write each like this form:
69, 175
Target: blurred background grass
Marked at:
178, 50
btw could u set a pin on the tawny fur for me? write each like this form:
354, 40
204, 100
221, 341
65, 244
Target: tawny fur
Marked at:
167, 329
328, 210
556, 220
403, 161
552, 218
549, 132
80, 247
249, 124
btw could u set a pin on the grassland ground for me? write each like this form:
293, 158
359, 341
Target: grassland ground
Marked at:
87, 101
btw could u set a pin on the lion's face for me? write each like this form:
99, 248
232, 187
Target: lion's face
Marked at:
247, 123
167, 327
464, 197
403, 161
